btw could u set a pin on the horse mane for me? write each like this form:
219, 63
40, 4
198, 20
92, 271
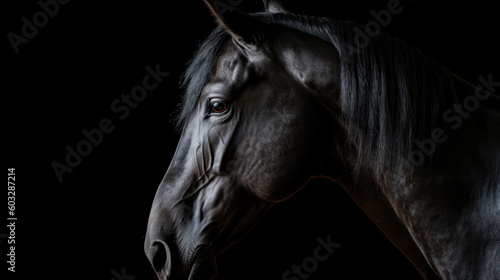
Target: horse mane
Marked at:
198, 73
391, 94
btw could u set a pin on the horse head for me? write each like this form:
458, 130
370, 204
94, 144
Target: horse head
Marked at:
252, 135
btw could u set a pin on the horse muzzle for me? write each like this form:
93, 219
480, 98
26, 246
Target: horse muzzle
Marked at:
170, 266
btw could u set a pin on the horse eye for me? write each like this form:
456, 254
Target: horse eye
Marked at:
218, 107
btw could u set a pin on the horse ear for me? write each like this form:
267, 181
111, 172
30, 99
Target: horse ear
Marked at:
275, 6
245, 29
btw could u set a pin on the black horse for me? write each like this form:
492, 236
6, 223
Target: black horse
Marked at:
273, 99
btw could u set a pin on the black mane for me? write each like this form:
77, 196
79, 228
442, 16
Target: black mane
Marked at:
198, 73
391, 94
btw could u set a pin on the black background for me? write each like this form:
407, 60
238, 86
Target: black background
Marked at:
93, 223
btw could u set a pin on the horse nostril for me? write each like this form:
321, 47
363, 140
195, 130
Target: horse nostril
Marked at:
160, 258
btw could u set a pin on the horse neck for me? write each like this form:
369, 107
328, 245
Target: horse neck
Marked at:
457, 187
462, 160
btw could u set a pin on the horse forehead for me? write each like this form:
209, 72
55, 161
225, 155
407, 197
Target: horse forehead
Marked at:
231, 65
235, 65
